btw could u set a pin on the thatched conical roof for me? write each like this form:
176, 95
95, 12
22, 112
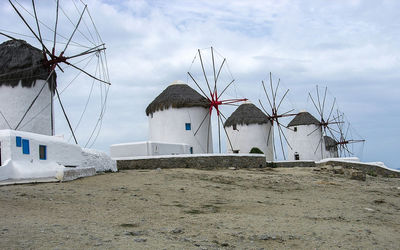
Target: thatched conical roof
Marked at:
21, 61
247, 113
303, 118
177, 95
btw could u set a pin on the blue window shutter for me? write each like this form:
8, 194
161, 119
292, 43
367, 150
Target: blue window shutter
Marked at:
25, 146
188, 126
18, 141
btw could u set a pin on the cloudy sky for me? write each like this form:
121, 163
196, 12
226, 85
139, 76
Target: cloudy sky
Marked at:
350, 46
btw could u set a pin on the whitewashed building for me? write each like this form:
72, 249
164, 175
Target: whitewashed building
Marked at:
304, 135
25, 155
28, 149
249, 127
180, 115
331, 149
23, 84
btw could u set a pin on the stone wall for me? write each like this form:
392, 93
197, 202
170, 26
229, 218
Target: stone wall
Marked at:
372, 170
198, 162
291, 164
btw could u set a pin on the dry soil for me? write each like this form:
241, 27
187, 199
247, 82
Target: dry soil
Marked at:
297, 208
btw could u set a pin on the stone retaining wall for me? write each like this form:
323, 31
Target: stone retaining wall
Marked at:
198, 162
372, 170
291, 164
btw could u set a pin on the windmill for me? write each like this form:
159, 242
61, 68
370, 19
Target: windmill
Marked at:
275, 114
346, 136
209, 69
71, 46
327, 120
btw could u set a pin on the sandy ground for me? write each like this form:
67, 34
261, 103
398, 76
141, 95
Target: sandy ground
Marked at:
196, 209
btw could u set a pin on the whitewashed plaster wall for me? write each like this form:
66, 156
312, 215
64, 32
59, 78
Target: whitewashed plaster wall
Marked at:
15, 101
304, 143
245, 137
99, 160
329, 153
169, 126
147, 148
59, 153
58, 150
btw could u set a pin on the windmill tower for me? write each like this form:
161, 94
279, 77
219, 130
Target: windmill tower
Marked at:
176, 115
248, 127
28, 74
331, 147
304, 135
22, 77
348, 138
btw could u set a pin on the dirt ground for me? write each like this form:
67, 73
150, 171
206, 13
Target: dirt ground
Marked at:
296, 208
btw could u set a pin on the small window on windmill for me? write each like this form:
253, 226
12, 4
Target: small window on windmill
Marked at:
18, 141
234, 127
191, 150
188, 126
42, 152
295, 129
296, 156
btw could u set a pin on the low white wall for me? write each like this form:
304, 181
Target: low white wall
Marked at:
148, 148
99, 160
30, 170
128, 149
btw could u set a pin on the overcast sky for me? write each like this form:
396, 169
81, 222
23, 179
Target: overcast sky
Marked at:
350, 46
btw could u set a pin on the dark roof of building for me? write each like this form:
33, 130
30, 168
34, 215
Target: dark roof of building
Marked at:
303, 118
247, 113
330, 143
21, 61
177, 96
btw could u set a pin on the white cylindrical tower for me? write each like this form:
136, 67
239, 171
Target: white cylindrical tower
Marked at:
249, 127
330, 150
305, 138
25, 96
181, 115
